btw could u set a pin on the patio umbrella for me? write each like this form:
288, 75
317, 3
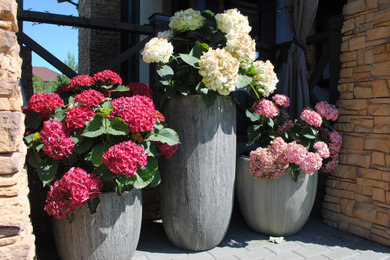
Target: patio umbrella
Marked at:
300, 17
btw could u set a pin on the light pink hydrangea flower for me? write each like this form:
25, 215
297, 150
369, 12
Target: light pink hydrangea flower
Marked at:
322, 149
328, 111
296, 153
281, 100
266, 107
311, 117
311, 163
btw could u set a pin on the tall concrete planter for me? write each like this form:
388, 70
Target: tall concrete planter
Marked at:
274, 207
198, 181
111, 233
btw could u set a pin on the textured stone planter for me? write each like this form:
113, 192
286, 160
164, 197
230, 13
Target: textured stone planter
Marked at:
274, 207
198, 181
111, 233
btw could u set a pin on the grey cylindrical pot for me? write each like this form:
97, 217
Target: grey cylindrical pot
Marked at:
198, 180
111, 233
274, 207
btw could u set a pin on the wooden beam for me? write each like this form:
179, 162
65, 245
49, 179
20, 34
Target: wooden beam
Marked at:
38, 49
126, 54
101, 24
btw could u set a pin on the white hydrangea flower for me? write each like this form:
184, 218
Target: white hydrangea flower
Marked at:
232, 20
265, 82
157, 50
242, 46
219, 70
165, 35
186, 20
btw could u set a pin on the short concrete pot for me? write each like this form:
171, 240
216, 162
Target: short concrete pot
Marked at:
274, 207
111, 233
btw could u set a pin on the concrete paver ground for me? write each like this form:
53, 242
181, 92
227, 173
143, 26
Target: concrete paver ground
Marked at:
315, 241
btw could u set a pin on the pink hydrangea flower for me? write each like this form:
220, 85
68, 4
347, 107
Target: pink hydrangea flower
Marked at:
296, 153
326, 110
166, 149
265, 164
322, 149
89, 98
52, 131
74, 190
330, 165
137, 111
311, 163
45, 104
336, 141
125, 158
107, 77
281, 100
140, 89
77, 117
278, 147
80, 82
266, 107
311, 117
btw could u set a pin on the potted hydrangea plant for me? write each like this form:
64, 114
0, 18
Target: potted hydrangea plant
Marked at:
89, 142
276, 184
201, 60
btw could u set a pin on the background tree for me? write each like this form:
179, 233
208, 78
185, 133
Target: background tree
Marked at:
41, 86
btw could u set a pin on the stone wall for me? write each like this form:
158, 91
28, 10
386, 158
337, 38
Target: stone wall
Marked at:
357, 195
16, 239
97, 47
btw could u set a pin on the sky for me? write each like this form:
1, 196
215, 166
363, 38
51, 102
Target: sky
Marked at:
58, 40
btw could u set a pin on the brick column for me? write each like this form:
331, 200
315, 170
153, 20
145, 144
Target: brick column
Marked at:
16, 238
357, 195
97, 47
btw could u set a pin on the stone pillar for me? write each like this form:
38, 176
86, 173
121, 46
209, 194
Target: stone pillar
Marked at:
97, 47
16, 238
358, 192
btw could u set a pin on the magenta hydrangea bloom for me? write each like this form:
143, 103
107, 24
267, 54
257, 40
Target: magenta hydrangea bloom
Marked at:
166, 149
266, 107
45, 104
125, 158
56, 141
77, 117
74, 190
89, 98
140, 89
137, 111
107, 77
80, 82
281, 100
311, 117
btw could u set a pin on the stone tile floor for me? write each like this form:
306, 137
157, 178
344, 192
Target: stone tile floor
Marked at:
315, 241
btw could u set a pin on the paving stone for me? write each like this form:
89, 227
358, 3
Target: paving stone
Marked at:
316, 241
197, 256
312, 250
341, 253
371, 255
224, 251
284, 247
319, 257
256, 253
285, 256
